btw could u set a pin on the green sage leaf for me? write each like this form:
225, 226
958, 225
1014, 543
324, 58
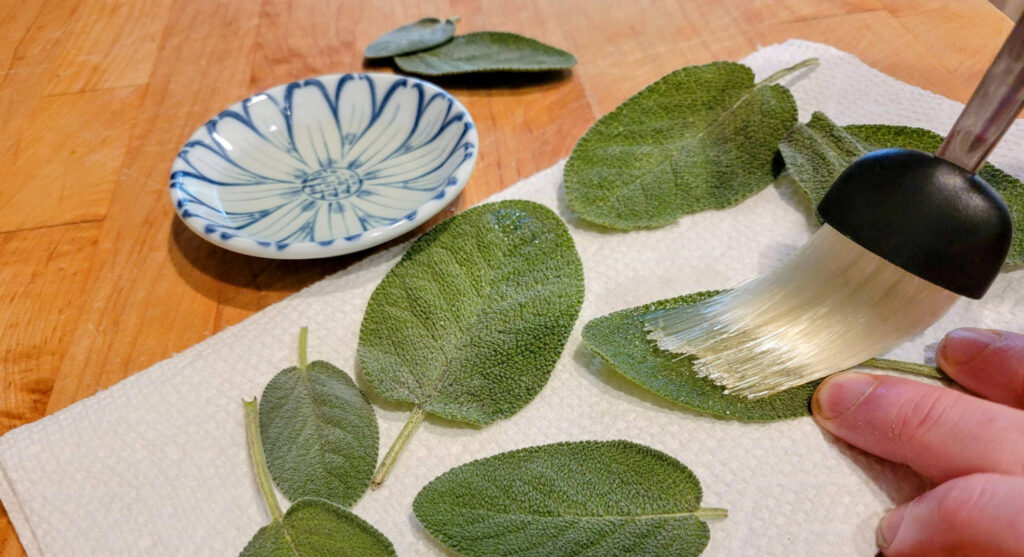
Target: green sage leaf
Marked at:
318, 528
423, 34
621, 340
818, 151
578, 498
702, 137
487, 51
471, 321
319, 433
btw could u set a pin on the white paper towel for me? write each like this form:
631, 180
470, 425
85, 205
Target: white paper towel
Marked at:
158, 464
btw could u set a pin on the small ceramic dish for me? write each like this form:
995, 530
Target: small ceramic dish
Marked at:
324, 166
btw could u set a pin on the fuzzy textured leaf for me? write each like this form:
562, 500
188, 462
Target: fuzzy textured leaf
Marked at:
702, 137
567, 499
469, 324
818, 151
318, 528
621, 341
487, 51
420, 35
319, 433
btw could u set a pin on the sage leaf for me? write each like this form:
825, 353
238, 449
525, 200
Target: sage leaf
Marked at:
312, 527
319, 431
420, 35
315, 527
487, 51
818, 151
702, 137
470, 322
621, 340
577, 498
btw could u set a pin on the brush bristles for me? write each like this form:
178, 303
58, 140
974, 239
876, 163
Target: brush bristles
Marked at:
831, 306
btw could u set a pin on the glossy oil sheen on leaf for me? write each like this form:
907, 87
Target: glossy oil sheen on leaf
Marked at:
818, 151
621, 341
580, 498
318, 528
319, 433
423, 34
487, 51
469, 324
702, 137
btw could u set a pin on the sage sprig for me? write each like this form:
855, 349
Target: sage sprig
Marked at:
319, 431
311, 527
470, 322
568, 499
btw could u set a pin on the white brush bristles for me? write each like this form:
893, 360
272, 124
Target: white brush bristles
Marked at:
829, 307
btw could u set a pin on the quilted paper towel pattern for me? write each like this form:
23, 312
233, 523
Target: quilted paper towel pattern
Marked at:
157, 465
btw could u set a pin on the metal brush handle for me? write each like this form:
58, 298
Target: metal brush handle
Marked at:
992, 108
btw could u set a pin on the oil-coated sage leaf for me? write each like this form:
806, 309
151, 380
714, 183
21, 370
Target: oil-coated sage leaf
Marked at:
318, 528
470, 322
818, 151
702, 137
578, 498
621, 340
319, 432
423, 34
487, 51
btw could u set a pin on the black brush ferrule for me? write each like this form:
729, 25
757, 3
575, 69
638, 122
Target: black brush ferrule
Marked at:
924, 214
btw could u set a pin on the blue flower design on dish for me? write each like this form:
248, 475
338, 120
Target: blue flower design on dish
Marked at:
324, 166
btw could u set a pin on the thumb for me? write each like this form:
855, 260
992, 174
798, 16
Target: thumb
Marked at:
980, 515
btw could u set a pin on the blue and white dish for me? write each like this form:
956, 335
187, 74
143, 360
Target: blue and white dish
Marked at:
324, 166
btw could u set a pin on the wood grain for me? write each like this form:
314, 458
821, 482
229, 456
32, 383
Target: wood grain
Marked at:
67, 177
98, 280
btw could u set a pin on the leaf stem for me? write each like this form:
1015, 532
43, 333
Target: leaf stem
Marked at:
788, 71
907, 367
403, 437
259, 460
711, 512
303, 334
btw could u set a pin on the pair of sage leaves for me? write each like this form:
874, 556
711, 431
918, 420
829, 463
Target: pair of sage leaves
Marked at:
430, 47
315, 434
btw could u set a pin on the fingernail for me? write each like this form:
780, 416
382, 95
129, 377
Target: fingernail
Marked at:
962, 346
841, 392
889, 527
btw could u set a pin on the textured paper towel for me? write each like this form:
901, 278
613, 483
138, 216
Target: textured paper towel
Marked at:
157, 464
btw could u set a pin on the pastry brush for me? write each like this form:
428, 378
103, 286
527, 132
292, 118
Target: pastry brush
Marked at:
906, 234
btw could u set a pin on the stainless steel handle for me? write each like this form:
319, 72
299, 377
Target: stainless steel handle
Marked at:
992, 108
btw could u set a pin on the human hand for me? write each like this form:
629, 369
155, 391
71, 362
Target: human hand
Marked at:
971, 447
